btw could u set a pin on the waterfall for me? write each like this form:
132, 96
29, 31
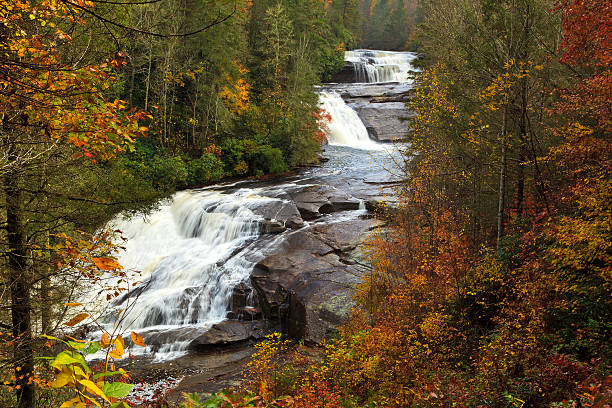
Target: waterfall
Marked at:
345, 128
188, 252
380, 66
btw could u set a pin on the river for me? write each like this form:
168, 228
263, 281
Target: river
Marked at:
224, 265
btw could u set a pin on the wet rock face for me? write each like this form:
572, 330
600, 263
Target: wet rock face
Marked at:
307, 281
385, 122
381, 107
303, 285
230, 332
348, 74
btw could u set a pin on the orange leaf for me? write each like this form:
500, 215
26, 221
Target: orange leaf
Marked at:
137, 339
105, 340
77, 319
106, 264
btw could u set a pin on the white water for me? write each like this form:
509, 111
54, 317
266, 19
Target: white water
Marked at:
345, 127
381, 66
186, 252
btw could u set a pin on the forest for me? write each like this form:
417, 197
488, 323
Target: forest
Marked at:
490, 284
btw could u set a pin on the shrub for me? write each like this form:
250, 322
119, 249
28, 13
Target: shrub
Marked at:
248, 157
206, 169
165, 172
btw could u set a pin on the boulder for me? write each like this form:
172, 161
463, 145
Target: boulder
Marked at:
229, 332
308, 279
398, 97
345, 236
385, 122
279, 213
272, 227
316, 313
314, 200
294, 222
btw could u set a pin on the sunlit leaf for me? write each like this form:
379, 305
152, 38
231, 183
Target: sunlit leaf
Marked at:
77, 319
107, 264
137, 339
119, 346
117, 389
92, 388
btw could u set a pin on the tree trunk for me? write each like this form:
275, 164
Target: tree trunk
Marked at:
501, 204
148, 81
23, 354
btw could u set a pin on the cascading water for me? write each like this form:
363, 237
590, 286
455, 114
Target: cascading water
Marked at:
199, 245
345, 127
187, 253
380, 66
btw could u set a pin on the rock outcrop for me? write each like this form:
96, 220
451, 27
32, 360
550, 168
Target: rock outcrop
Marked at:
230, 332
385, 122
346, 75
307, 281
313, 201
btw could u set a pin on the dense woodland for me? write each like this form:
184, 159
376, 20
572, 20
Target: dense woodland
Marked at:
491, 285
390, 24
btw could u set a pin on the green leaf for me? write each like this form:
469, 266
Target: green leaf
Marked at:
117, 389
119, 404
92, 348
70, 357
65, 358
77, 346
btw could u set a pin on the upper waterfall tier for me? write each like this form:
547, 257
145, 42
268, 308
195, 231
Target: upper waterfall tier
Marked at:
380, 66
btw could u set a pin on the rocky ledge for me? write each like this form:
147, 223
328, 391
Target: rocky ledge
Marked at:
307, 281
312, 261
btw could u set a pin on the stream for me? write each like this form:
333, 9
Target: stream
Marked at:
222, 266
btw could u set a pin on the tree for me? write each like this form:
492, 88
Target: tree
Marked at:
47, 103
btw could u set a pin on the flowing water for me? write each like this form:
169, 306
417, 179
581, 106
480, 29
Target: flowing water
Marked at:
373, 66
198, 245
345, 127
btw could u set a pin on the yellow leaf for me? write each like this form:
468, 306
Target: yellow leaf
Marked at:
73, 304
118, 351
137, 339
77, 319
61, 379
94, 389
75, 402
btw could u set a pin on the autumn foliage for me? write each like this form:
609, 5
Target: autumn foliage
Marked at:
52, 96
491, 285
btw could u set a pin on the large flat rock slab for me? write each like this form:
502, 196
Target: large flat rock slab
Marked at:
230, 332
385, 122
308, 279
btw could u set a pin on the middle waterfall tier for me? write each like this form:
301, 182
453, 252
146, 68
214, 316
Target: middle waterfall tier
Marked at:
345, 127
